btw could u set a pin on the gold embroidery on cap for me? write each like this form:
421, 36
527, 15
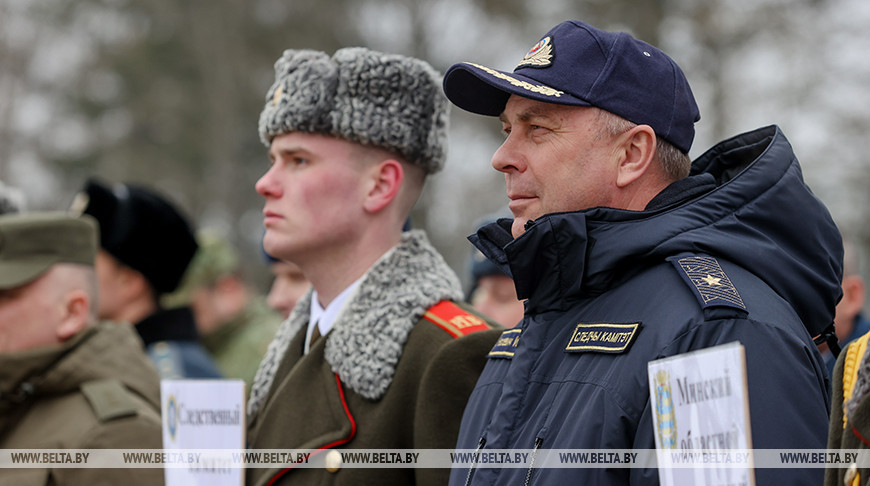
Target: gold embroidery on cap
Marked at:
535, 88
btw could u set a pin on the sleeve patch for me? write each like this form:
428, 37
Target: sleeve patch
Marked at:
602, 338
506, 345
709, 282
454, 319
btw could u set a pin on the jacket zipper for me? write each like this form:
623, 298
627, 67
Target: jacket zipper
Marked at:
480, 444
538, 442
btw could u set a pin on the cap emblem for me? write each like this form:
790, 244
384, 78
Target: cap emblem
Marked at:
276, 98
541, 55
80, 203
534, 88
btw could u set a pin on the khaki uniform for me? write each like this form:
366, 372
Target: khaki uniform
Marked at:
389, 375
238, 346
98, 391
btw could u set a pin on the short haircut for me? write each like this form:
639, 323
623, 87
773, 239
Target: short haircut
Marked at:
674, 161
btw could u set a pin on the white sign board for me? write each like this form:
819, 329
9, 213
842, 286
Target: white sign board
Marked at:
700, 407
203, 414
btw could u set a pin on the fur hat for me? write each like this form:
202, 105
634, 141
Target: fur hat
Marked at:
141, 229
384, 100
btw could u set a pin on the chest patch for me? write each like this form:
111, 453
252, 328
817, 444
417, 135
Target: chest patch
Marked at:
506, 345
602, 338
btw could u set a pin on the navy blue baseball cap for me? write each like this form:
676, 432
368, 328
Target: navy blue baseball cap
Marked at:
580, 65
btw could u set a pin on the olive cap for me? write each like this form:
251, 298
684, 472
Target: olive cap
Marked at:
30, 243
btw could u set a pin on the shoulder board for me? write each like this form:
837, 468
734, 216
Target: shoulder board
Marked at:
709, 283
455, 320
109, 399
851, 364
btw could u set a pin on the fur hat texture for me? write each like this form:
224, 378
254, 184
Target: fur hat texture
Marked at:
372, 98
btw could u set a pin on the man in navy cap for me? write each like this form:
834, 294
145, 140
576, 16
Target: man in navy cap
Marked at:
615, 229
146, 246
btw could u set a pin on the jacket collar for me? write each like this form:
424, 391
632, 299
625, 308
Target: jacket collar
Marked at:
95, 353
368, 336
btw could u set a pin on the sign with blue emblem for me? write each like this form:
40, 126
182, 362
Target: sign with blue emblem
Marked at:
700, 407
199, 417
602, 338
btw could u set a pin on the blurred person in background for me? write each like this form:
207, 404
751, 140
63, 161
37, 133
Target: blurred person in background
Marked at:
146, 246
849, 322
288, 285
67, 382
234, 322
379, 353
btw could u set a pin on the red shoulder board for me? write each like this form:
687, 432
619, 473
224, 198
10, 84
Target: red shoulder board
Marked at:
454, 319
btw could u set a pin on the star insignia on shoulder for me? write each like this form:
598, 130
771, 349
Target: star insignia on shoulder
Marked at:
711, 280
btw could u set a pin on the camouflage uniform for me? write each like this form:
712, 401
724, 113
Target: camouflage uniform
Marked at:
239, 345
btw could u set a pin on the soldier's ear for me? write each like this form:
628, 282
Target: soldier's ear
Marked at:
75, 314
386, 181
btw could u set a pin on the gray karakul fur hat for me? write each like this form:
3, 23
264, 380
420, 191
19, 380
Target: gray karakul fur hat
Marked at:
372, 98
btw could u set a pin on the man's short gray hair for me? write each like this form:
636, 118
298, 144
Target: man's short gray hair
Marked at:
675, 163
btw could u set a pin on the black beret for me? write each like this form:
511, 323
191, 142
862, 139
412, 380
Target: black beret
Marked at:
142, 229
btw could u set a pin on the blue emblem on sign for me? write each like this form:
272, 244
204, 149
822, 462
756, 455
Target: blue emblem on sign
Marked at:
172, 416
664, 410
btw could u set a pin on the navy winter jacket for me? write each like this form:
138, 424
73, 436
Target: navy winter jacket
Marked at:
755, 259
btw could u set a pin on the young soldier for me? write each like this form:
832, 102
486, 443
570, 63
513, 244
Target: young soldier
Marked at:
377, 355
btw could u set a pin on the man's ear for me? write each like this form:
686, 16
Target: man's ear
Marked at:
75, 311
387, 178
636, 151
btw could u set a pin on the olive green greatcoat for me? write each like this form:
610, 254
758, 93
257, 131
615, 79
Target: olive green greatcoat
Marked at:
384, 377
98, 391
310, 409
